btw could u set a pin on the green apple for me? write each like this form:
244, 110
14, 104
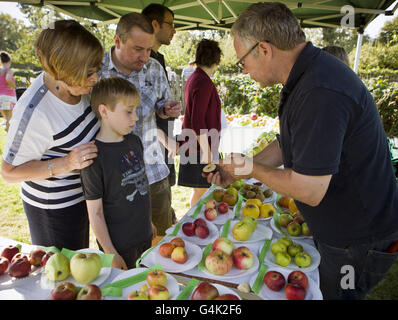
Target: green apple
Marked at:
251, 220
294, 248
238, 184
57, 267
287, 241
305, 230
294, 229
242, 231
283, 259
232, 190
284, 219
278, 247
85, 267
302, 259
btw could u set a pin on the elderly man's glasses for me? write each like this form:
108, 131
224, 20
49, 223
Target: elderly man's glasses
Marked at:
241, 62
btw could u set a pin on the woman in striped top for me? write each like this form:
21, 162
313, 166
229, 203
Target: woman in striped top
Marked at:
51, 136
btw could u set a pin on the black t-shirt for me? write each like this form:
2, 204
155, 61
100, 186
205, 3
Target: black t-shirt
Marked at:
118, 177
329, 124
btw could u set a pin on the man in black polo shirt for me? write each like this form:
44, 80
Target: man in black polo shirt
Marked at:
162, 19
333, 148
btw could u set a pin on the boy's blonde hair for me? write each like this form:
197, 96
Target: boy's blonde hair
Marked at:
69, 52
110, 91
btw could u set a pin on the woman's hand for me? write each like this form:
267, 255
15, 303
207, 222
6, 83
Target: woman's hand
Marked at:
118, 262
81, 156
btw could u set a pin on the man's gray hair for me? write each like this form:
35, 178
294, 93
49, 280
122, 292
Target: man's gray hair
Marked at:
269, 21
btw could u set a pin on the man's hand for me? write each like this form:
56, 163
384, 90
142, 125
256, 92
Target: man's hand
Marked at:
172, 108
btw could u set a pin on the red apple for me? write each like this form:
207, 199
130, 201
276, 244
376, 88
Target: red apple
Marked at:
19, 268
200, 222
298, 277
35, 256
156, 277
45, 258
3, 265
9, 252
158, 292
227, 296
211, 204
223, 244
19, 255
223, 207
178, 242
89, 292
294, 292
64, 291
166, 249
202, 232
218, 262
211, 214
254, 116
205, 291
393, 247
188, 228
243, 258
179, 255
274, 280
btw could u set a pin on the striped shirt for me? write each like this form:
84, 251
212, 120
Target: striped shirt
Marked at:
154, 89
44, 127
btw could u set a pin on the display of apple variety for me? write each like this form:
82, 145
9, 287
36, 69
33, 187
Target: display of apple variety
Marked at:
292, 220
154, 289
227, 196
256, 209
18, 264
254, 191
175, 249
261, 142
286, 251
295, 288
68, 291
224, 255
207, 291
243, 229
84, 267
198, 227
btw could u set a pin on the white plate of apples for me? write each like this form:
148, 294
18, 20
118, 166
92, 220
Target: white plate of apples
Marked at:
221, 265
16, 267
104, 273
198, 231
282, 284
148, 288
213, 291
217, 213
182, 255
261, 233
306, 261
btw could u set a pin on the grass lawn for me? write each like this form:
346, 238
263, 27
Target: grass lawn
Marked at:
14, 225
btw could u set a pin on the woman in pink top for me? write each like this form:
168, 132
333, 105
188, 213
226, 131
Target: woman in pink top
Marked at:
7, 88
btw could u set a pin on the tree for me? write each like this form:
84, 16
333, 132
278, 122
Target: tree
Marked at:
389, 33
11, 31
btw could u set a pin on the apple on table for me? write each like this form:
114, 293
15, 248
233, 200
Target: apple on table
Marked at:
89, 292
85, 267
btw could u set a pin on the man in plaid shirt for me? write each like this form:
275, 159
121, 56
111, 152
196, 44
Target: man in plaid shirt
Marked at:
130, 59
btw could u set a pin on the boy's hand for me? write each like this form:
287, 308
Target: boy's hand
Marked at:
118, 262
172, 108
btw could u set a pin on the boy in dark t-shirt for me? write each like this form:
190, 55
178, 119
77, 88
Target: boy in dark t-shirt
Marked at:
115, 186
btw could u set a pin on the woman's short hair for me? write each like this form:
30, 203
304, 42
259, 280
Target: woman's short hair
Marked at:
130, 20
110, 91
69, 52
268, 21
207, 53
338, 52
4, 57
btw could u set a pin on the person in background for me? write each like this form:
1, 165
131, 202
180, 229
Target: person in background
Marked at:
130, 59
333, 148
202, 112
8, 97
50, 136
115, 186
338, 52
188, 70
162, 20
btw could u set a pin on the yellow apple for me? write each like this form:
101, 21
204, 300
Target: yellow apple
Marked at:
257, 202
251, 210
242, 231
267, 210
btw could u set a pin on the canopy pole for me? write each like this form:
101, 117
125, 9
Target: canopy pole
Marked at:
358, 50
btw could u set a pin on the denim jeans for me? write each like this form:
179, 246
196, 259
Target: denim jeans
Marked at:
350, 272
